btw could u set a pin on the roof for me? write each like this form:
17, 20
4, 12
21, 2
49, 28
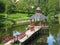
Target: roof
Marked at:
38, 16
38, 8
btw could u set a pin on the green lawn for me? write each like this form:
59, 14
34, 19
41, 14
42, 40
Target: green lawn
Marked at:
15, 17
18, 16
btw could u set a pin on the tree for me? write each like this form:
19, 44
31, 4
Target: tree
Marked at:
2, 7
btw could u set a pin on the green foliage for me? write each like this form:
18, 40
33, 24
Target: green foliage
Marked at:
48, 8
11, 9
2, 20
18, 16
2, 7
54, 29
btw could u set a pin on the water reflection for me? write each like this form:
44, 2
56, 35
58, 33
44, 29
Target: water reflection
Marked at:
58, 37
38, 43
50, 39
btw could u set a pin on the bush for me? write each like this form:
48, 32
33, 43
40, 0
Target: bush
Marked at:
2, 7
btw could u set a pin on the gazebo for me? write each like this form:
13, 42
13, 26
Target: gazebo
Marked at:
38, 16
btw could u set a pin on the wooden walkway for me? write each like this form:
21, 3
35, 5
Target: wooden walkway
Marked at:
24, 35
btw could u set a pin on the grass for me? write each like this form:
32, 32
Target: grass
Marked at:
15, 17
20, 27
18, 16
